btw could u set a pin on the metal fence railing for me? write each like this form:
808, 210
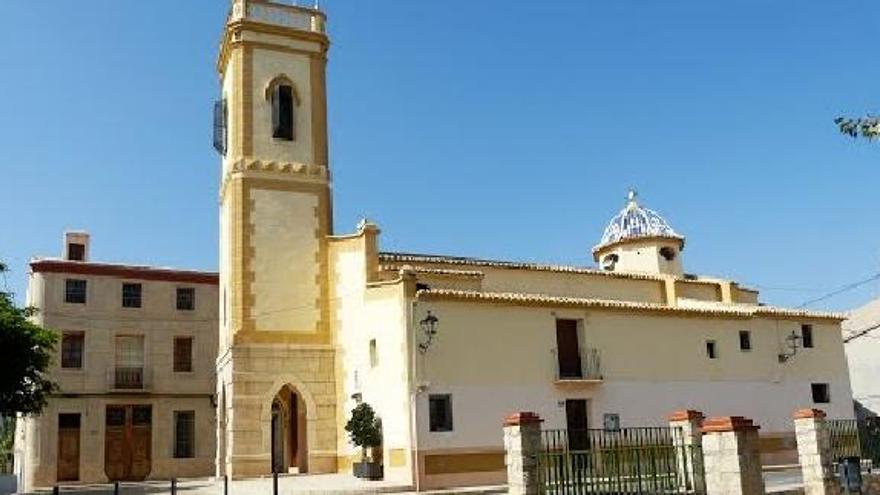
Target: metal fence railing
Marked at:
627, 460
587, 366
855, 438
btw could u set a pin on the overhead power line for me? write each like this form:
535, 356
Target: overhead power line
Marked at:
861, 333
841, 290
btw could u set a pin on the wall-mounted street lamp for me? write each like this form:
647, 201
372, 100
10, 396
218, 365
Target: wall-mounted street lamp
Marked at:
794, 342
429, 330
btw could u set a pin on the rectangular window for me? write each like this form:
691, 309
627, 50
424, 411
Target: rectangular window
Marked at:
568, 353
75, 291
821, 393
374, 354
186, 298
68, 420
72, 344
76, 251
745, 340
711, 350
183, 354
440, 412
131, 295
282, 113
184, 434
115, 416
807, 336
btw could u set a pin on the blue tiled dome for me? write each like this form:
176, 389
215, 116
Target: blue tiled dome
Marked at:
636, 221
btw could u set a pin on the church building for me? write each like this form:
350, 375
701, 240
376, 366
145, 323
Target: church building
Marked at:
313, 323
310, 323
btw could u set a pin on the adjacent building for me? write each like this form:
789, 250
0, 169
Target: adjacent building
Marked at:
861, 332
135, 369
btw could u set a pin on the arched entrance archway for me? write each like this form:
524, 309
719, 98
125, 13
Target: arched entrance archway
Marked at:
289, 432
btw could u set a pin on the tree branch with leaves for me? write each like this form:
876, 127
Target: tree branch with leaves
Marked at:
867, 127
26, 351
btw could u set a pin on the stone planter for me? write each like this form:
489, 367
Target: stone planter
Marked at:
368, 470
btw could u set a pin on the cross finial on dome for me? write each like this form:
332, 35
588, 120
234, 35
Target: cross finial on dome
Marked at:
631, 196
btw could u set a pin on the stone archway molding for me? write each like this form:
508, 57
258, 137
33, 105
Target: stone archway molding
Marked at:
311, 409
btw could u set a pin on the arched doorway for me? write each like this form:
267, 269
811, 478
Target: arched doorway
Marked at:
289, 445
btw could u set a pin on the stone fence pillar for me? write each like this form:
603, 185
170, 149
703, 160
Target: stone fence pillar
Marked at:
731, 457
814, 452
688, 446
522, 442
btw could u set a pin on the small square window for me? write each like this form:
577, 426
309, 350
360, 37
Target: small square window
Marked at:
807, 336
821, 393
711, 350
745, 340
75, 291
76, 251
440, 412
374, 354
72, 350
183, 347
131, 295
186, 298
68, 420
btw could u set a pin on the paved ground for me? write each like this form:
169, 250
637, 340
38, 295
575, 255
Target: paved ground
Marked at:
324, 484
334, 484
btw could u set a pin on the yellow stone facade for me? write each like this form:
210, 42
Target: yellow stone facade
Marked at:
275, 221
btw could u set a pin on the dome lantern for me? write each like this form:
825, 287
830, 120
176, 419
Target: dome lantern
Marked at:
638, 239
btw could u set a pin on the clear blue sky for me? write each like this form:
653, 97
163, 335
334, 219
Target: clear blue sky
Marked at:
501, 129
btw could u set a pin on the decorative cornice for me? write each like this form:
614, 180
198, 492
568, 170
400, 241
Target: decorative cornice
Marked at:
686, 415
433, 271
317, 173
523, 418
729, 423
133, 272
602, 248
809, 414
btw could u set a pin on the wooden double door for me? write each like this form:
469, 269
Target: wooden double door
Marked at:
128, 442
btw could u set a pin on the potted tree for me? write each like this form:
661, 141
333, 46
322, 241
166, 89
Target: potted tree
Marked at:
365, 430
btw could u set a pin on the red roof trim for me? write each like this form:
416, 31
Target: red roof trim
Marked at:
125, 271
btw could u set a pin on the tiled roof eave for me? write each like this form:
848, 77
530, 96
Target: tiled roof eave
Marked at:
523, 299
634, 239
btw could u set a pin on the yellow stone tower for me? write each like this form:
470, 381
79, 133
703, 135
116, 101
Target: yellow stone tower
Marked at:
275, 368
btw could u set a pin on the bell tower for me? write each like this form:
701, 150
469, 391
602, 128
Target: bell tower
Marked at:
276, 360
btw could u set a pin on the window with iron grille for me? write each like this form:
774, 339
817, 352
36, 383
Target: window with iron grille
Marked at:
72, 344
131, 295
186, 298
183, 354
440, 412
184, 434
75, 291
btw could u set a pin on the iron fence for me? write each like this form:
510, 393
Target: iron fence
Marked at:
855, 438
622, 461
